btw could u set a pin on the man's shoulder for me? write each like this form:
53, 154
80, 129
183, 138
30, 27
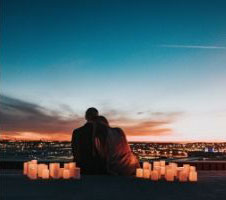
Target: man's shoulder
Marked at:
81, 129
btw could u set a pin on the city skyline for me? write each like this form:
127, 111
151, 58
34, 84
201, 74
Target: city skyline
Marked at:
154, 68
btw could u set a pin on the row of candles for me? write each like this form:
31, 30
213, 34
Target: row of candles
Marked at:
169, 172
34, 170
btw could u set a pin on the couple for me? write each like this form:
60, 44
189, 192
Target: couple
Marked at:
99, 149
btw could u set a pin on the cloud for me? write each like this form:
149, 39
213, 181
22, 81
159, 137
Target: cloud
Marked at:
153, 124
21, 119
193, 46
17, 116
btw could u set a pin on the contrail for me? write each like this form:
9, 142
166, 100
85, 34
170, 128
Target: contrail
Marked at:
192, 46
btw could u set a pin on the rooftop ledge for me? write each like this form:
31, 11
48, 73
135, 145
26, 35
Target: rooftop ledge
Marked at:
211, 185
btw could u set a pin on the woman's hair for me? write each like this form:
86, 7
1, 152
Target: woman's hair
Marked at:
102, 120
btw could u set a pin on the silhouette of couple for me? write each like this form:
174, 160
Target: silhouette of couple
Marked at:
99, 149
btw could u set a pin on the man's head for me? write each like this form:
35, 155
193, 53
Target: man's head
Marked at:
91, 114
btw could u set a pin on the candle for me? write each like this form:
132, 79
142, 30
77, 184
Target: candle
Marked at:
139, 172
41, 167
66, 165
71, 165
54, 170
146, 173
158, 169
45, 173
169, 175
183, 176
162, 163
186, 168
25, 168
162, 171
156, 163
75, 173
192, 169
66, 174
193, 176
32, 172
154, 175
61, 172
174, 168
147, 165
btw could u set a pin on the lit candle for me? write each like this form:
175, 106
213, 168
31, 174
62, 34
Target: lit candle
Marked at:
66, 165
174, 168
139, 172
146, 173
154, 175
40, 169
45, 174
25, 168
66, 174
54, 170
162, 171
193, 176
192, 169
169, 175
75, 173
183, 176
147, 165
72, 165
162, 163
156, 163
32, 171
61, 172
158, 169
186, 168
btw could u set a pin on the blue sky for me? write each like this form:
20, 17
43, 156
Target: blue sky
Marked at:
126, 56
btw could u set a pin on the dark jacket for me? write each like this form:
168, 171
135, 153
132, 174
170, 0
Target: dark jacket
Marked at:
84, 152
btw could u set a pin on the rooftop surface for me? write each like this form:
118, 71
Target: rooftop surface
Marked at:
14, 185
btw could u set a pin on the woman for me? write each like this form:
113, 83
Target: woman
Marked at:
119, 157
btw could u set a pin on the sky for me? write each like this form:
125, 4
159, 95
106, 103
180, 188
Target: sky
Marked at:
157, 69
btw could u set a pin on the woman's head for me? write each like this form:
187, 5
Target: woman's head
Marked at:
103, 120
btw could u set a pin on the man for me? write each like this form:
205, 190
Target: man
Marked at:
83, 144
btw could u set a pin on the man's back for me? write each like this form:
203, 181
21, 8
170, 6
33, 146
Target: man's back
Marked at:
84, 151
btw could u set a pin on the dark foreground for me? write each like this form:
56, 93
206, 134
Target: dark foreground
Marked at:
211, 185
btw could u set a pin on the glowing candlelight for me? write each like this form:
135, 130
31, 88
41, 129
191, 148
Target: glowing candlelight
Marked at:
193, 176
71, 165
156, 164
32, 172
139, 172
162, 171
66, 174
147, 165
169, 175
162, 163
75, 173
183, 176
154, 175
41, 167
54, 170
66, 165
45, 174
146, 173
